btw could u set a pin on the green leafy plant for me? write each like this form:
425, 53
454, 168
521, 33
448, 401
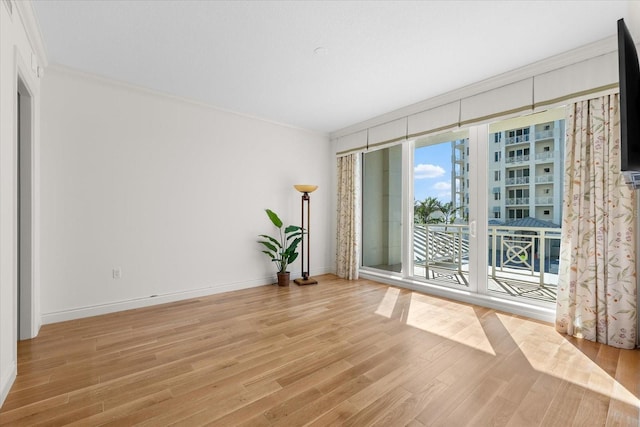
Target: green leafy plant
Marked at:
281, 250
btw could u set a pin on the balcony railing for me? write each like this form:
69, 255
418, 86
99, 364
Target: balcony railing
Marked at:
545, 155
527, 255
516, 139
517, 159
545, 134
546, 200
524, 251
441, 247
544, 178
517, 201
519, 180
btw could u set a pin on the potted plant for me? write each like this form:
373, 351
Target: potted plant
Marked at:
283, 249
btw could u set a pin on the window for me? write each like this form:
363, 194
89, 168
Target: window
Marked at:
497, 156
518, 135
496, 176
519, 193
496, 196
547, 170
517, 213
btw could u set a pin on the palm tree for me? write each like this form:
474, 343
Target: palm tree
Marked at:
449, 212
424, 209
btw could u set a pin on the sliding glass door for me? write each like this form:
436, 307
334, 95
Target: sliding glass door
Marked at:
482, 208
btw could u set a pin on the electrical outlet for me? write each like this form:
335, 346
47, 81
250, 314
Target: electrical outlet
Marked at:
117, 273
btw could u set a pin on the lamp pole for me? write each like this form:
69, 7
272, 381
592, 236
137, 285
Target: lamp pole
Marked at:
305, 190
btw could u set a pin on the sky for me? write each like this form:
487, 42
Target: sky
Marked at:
432, 172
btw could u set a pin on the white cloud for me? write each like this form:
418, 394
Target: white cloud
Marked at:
423, 171
444, 190
442, 185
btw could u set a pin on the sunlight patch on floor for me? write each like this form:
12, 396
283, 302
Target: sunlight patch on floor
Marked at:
563, 360
386, 306
435, 316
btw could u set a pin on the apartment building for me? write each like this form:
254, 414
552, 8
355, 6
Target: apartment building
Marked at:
525, 170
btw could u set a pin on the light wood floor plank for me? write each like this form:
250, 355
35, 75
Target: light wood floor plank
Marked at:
347, 353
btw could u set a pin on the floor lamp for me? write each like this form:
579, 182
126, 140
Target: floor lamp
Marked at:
305, 190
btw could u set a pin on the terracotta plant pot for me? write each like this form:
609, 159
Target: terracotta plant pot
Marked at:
283, 279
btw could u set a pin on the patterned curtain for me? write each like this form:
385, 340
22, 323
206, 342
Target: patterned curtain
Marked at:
597, 280
348, 238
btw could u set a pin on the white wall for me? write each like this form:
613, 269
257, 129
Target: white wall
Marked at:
20, 57
170, 191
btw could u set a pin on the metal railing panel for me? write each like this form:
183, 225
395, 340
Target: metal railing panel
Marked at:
517, 253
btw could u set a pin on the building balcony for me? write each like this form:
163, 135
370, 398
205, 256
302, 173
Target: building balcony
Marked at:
516, 140
520, 180
545, 200
544, 179
547, 155
545, 134
517, 201
517, 159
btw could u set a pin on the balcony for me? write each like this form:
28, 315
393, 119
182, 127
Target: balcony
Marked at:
520, 139
517, 159
517, 201
546, 200
519, 180
545, 156
544, 179
522, 262
545, 134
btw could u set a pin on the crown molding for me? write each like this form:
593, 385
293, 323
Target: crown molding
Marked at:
63, 70
32, 28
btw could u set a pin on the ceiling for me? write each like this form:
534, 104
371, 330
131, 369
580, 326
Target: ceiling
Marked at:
318, 65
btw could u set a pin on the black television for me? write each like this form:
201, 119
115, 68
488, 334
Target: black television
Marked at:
629, 75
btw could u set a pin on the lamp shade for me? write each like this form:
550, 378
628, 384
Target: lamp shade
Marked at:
305, 188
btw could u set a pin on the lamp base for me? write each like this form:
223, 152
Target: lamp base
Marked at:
309, 281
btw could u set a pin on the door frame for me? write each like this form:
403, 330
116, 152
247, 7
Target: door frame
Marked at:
26, 231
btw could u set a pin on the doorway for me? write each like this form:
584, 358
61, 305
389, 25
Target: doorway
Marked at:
24, 213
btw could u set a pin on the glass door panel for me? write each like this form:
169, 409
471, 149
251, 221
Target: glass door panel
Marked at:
525, 206
382, 209
441, 209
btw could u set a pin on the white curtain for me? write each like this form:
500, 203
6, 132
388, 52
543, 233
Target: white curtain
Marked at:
348, 227
597, 279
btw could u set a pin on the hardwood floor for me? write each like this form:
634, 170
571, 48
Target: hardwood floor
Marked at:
340, 353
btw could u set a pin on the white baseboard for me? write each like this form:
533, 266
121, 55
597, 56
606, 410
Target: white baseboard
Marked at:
6, 381
112, 307
96, 310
